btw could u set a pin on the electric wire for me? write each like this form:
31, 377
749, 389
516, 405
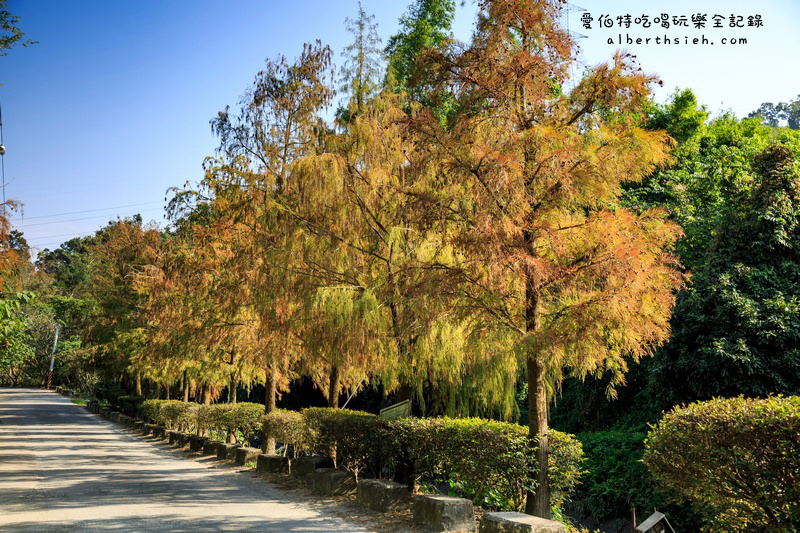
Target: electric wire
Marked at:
85, 211
23, 225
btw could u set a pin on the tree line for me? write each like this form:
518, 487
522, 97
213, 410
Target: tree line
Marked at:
476, 231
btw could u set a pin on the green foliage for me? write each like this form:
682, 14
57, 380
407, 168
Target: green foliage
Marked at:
736, 460
360, 73
357, 441
287, 427
616, 478
737, 329
237, 421
69, 264
129, 404
681, 117
426, 25
775, 114
10, 34
178, 415
491, 462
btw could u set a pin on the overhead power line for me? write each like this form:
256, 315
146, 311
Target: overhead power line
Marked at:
24, 226
86, 211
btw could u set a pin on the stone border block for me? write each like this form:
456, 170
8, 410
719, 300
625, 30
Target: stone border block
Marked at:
210, 447
174, 437
304, 466
436, 512
519, 523
226, 452
184, 439
272, 464
333, 482
196, 443
381, 495
244, 454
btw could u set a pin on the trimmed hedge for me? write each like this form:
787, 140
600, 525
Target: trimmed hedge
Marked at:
178, 415
736, 460
357, 441
238, 421
241, 420
493, 463
287, 427
130, 405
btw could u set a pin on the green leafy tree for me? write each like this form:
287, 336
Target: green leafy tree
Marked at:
360, 74
10, 34
736, 330
775, 115
425, 26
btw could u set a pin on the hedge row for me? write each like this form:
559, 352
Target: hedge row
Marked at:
490, 462
237, 422
736, 460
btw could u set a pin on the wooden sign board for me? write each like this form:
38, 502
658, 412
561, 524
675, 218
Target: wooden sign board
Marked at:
398, 410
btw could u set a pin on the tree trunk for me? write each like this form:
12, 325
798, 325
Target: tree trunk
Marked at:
185, 387
405, 392
138, 384
333, 387
167, 391
234, 382
206, 394
537, 502
268, 446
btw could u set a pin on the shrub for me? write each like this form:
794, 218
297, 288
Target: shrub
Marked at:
491, 462
736, 460
616, 479
357, 441
178, 415
243, 419
130, 405
287, 427
151, 411
236, 420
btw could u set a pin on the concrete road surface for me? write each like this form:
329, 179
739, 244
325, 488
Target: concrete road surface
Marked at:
64, 469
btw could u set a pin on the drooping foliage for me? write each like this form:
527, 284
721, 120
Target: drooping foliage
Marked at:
533, 180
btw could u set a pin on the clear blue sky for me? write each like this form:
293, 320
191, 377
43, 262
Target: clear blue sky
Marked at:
112, 106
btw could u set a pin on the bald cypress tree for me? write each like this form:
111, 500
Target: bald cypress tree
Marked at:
531, 178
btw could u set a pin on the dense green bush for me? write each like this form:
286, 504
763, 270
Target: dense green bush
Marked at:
357, 441
491, 462
130, 405
237, 421
736, 460
178, 415
615, 479
151, 411
288, 428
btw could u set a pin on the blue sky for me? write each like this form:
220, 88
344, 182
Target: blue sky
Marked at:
112, 106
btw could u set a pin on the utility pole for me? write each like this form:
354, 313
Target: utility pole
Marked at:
2, 162
52, 360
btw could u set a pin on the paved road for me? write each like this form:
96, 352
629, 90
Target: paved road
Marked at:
64, 469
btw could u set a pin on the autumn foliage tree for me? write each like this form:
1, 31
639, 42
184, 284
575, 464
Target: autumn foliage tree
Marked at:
121, 250
531, 176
